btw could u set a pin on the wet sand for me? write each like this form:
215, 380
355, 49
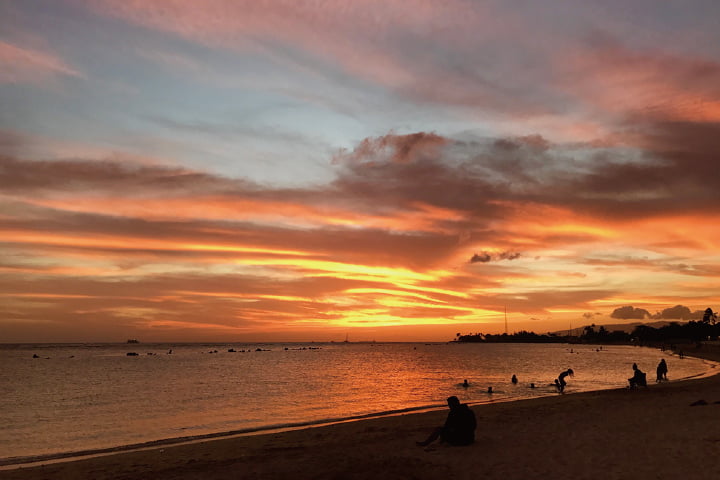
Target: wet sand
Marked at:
657, 432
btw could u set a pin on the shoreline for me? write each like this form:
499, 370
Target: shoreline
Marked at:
15, 462
20, 461
571, 433
516, 439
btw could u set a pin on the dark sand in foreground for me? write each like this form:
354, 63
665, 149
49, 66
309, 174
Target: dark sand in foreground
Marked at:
653, 433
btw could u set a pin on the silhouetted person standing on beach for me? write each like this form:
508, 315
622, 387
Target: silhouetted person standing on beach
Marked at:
459, 428
560, 382
662, 370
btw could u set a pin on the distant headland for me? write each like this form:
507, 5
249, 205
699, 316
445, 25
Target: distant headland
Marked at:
708, 328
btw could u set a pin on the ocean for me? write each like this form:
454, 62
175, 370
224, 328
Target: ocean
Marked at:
76, 398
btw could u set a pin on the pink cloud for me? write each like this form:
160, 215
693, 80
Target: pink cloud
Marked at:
650, 84
384, 43
478, 57
253, 26
20, 65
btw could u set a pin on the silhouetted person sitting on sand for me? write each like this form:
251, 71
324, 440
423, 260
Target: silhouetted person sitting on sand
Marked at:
459, 428
638, 379
662, 371
560, 381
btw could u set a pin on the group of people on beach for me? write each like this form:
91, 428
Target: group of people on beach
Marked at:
459, 427
639, 378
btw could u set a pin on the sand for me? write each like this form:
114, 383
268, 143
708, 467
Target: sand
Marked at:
648, 433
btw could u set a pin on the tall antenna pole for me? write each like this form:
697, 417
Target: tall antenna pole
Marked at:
505, 319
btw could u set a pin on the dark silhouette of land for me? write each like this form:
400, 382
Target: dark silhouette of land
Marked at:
672, 333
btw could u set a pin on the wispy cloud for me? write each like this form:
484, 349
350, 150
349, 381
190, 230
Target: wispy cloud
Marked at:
638, 84
23, 65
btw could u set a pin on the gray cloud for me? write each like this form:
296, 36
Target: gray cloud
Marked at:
106, 176
678, 312
484, 257
672, 173
630, 312
394, 148
481, 258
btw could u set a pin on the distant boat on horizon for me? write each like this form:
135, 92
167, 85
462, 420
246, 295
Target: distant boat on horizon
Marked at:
346, 339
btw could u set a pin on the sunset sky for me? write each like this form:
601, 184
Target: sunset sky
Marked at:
393, 170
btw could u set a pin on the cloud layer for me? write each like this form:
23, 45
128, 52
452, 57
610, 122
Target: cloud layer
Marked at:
257, 170
386, 243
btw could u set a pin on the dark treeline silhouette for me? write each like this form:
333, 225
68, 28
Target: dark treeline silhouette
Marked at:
693, 331
517, 337
589, 335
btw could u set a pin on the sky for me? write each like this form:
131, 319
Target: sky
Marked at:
374, 170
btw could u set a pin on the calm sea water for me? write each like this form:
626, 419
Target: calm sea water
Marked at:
78, 397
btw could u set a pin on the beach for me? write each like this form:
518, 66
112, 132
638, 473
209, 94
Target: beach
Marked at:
667, 430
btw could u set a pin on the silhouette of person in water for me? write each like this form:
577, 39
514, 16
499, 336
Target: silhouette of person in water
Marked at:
560, 381
459, 428
662, 371
466, 384
514, 380
638, 379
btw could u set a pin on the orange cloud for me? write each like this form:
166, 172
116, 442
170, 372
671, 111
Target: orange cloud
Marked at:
149, 248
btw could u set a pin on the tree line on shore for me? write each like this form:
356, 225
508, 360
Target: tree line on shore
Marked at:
675, 332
